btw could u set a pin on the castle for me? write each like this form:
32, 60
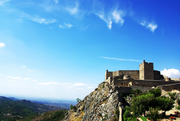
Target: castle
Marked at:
144, 78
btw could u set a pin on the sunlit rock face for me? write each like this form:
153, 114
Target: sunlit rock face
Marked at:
98, 105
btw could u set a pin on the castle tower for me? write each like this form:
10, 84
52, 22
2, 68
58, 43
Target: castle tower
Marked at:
146, 71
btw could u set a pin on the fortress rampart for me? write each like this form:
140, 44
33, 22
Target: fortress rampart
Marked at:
144, 78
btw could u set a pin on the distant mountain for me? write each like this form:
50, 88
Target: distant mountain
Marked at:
4, 98
59, 103
12, 98
16, 109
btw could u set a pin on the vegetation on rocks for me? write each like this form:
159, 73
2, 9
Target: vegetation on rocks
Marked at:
150, 102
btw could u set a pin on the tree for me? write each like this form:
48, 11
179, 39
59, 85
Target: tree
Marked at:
141, 103
71, 106
165, 103
78, 100
156, 92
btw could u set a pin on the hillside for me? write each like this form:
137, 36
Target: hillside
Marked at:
108, 102
57, 115
101, 104
10, 109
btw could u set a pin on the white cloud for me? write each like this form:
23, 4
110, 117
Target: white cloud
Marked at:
26, 79
143, 23
65, 26
35, 18
34, 80
73, 10
24, 66
43, 20
121, 59
65, 85
9, 77
0, 74
49, 83
172, 73
3, 1
2, 45
30, 70
114, 16
152, 26
79, 85
56, 1
117, 16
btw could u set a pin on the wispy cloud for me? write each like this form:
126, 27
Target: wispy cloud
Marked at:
0, 74
120, 59
3, 1
79, 85
30, 70
43, 20
56, 1
66, 85
172, 73
24, 66
2, 45
65, 26
26, 79
150, 25
114, 16
73, 10
117, 16
10, 77
37, 19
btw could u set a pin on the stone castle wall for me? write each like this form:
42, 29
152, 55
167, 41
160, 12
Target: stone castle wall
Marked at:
142, 83
169, 87
132, 73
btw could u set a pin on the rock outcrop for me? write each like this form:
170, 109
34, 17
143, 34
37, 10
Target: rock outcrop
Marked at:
101, 104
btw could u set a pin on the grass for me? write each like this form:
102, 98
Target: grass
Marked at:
144, 118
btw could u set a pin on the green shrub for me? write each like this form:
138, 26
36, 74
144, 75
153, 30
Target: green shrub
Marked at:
153, 114
172, 95
73, 107
178, 101
178, 107
117, 113
156, 92
127, 114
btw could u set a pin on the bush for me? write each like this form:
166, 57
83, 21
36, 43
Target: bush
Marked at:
153, 114
73, 107
135, 92
156, 92
172, 95
178, 107
127, 115
117, 113
178, 101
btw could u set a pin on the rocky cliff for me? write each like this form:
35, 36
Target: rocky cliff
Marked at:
101, 104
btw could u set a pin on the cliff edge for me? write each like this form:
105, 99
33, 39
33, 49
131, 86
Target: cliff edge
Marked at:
102, 104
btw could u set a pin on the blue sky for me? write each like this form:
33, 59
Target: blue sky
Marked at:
61, 49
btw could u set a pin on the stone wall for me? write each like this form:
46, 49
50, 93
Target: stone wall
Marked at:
158, 76
124, 90
143, 83
143, 89
170, 87
132, 73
